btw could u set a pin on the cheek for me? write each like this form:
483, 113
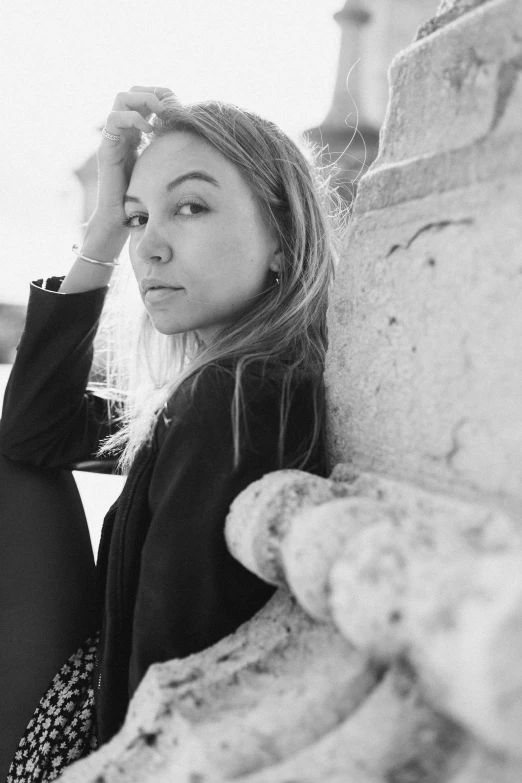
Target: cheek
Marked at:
136, 264
236, 248
213, 257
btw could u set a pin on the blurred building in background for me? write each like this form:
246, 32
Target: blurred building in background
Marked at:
12, 318
372, 32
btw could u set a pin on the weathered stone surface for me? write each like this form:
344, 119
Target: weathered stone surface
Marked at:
400, 558
280, 683
423, 380
458, 6
437, 400
460, 623
472, 72
433, 525
259, 517
407, 572
394, 736
448, 11
466, 644
484, 766
314, 539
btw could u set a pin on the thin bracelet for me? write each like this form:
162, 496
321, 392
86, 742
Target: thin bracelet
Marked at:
93, 260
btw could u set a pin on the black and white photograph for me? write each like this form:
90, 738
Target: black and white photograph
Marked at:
261, 389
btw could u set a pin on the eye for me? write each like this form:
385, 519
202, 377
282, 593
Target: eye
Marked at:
134, 221
191, 209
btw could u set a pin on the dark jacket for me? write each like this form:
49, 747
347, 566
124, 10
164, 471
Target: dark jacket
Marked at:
167, 585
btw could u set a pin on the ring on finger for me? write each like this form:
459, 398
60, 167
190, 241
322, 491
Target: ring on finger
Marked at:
110, 136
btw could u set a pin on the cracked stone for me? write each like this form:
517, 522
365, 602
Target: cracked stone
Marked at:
438, 226
508, 75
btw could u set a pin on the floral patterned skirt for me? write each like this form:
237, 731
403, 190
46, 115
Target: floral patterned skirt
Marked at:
63, 727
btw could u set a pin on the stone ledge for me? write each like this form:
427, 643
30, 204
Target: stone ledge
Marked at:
282, 682
402, 572
486, 160
399, 682
470, 69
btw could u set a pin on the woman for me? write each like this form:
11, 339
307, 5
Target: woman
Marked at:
233, 253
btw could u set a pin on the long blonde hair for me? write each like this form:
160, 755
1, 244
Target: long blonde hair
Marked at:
285, 330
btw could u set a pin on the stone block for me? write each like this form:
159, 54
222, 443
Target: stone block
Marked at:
395, 736
453, 89
313, 542
404, 572
423, 377
277, 685
447, 12
259, 517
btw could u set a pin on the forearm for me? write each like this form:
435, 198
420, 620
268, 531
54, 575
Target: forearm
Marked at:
104, 240
106, 234
47, 418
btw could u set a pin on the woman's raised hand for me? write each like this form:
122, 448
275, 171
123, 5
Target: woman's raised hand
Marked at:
105, 234
128, 119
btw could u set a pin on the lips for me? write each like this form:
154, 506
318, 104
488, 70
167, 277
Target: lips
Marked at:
154, 284
160, 294
162, 288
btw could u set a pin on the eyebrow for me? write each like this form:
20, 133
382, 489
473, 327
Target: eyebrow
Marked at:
201, 175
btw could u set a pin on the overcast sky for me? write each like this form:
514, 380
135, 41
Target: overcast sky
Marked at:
62, 61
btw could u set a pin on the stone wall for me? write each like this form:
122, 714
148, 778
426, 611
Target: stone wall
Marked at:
392, 651
426, 321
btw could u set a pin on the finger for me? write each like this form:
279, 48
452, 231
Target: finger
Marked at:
118, 121
161, 92
145, 102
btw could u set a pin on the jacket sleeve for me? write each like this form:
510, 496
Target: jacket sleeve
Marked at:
191, 591
48, 418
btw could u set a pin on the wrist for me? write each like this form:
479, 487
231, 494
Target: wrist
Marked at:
104, 238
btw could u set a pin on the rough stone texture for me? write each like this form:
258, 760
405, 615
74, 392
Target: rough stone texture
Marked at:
403, 572
471, 71
260, 516
448, 11
394, 737
407, 668
246, 703
424, 378
313, 543
459, 623
484, 766
295, 525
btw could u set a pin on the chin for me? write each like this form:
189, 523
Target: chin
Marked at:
165, 323
166, 330
164, 326
170, 326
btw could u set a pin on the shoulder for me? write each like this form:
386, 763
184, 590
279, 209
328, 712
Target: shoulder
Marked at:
212, 388
206, 423
209, 389
216, 384
200, 407
204, 402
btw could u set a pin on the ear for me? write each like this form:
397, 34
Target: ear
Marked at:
275, 264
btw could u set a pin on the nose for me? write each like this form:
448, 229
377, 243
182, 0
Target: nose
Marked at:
151, 247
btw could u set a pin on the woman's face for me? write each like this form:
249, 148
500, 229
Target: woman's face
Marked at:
199, 245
